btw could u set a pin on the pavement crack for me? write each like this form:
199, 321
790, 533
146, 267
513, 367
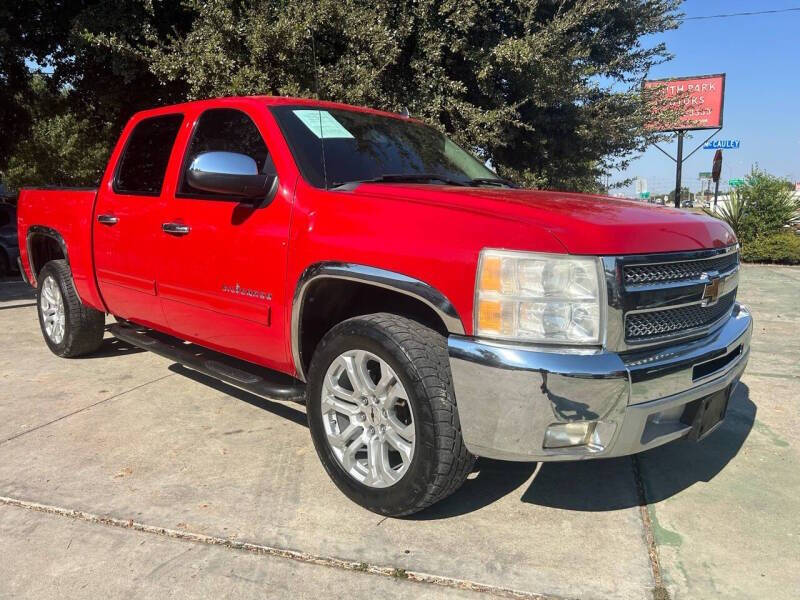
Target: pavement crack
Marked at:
80, 410
17, 306
266, 550
659, 591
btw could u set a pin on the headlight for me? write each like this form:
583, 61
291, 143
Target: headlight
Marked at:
551, 298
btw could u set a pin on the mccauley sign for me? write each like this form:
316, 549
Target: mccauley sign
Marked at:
698, 100
722, 145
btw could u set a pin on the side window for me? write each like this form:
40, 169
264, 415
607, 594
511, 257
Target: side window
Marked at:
225, 130
144, 161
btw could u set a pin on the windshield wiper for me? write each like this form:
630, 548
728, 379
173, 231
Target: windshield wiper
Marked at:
404, 178
491, 181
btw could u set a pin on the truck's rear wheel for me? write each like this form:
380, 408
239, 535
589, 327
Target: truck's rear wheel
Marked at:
383, 416
70, 328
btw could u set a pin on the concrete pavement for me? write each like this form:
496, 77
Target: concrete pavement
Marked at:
130, 436
725, 513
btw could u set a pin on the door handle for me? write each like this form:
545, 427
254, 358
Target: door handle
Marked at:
107, 219
175, 228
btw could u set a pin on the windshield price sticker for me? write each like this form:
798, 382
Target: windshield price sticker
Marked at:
323, 124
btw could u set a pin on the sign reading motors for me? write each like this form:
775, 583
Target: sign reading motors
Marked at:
698, 102
722, 145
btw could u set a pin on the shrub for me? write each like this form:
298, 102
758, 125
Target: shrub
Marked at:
769, 205
761, 207
781, 248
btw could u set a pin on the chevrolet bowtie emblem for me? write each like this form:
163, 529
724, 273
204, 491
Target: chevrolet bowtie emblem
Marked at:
712, 290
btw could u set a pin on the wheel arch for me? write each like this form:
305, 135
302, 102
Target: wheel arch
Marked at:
371, 285
43, 244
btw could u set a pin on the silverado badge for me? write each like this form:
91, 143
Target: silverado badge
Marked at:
240, 291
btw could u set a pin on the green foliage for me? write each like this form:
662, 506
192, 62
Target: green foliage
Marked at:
60, 148
14, 119
732, 212
549, 90
761, 207
74, 110
782, 248
770, 205
685, 195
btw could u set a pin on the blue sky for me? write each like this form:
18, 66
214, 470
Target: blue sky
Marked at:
761, 58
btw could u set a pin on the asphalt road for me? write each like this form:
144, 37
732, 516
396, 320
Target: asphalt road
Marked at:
125, 474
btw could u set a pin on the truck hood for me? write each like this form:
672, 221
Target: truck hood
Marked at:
583, 223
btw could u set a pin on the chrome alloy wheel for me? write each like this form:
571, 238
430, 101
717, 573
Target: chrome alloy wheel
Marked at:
51, 305
368, 420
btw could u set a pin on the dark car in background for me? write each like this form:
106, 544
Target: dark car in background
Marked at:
9, 248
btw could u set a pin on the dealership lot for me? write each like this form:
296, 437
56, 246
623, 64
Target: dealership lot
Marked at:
174, 474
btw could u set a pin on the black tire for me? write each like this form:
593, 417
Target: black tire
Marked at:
418, 355
84, 326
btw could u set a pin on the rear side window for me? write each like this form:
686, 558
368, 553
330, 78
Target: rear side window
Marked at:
225, 130
144, 161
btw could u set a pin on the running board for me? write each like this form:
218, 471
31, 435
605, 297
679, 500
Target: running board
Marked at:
248, 376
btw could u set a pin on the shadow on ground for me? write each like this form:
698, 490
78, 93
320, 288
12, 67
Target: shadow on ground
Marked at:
610, 484
593, 485
280, 409
113, 347
588, 486
13, 288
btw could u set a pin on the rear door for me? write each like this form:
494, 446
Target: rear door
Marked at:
223, 276
127, 221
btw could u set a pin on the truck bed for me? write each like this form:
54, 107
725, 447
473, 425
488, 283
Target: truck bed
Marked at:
64, 216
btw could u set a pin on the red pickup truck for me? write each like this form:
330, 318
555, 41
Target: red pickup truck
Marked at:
424, 310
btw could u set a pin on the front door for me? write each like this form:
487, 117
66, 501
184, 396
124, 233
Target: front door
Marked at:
127, 222
223, 276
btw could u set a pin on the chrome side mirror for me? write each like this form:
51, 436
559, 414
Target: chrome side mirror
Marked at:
232, 174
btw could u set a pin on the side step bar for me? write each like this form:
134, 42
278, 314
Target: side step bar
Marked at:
250, 377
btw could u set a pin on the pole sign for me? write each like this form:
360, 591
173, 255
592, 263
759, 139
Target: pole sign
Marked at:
736, 182
722, 145
716, 166
704, 175
698, 100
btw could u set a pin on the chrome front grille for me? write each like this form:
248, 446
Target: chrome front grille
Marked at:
660, 298
678, 271
647, 325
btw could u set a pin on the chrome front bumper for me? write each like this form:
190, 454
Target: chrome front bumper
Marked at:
508, 395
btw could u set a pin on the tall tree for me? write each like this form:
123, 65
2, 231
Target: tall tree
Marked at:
71, 94
548, 90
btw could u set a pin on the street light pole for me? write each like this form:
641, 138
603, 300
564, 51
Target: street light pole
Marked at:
679, 168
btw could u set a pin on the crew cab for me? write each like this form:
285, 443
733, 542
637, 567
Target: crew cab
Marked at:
423, 309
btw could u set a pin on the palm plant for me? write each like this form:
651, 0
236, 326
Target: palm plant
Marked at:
732, 212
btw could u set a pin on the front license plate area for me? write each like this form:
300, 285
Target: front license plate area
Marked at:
707, 413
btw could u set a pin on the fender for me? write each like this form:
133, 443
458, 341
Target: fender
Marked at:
372, 276
46, 232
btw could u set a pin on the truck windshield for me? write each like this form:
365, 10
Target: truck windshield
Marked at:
362, 146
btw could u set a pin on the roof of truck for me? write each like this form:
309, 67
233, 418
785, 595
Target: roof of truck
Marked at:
273, 101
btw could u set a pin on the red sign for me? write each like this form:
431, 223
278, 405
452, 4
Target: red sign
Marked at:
716, 168
699, 101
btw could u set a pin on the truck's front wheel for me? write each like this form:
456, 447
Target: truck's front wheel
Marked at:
383, 416
70, 328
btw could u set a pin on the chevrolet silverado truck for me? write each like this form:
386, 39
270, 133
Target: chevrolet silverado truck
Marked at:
424, 310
